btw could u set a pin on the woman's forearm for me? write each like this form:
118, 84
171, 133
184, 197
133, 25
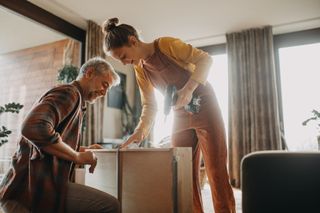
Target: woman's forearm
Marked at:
191, 85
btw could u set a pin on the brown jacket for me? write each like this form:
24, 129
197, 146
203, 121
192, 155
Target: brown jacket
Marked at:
36, 179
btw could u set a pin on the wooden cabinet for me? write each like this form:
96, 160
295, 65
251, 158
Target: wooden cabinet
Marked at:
146, 180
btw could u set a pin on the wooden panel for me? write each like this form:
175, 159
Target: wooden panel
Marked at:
183, 156
24, 76
147, 181
151, 180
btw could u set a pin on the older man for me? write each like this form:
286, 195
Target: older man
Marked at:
38, 180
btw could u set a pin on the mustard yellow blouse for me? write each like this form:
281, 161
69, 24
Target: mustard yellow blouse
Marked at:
193, 60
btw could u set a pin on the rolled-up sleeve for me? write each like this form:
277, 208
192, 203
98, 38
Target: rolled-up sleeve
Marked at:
149, 104
40, 125
189, 56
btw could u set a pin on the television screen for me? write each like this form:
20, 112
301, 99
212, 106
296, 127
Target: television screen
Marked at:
115, 96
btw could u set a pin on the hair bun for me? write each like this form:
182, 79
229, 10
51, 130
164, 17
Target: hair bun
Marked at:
109, 25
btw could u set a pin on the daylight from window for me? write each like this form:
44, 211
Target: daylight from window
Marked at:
300, 83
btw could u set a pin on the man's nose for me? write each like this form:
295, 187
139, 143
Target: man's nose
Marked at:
103, 92
104, 86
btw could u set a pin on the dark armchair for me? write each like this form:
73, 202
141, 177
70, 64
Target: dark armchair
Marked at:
280, 181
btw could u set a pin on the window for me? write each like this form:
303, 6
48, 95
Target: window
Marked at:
218, 77
300, 74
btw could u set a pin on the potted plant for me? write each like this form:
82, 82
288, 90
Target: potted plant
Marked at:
314, 118
13, 108
68, 73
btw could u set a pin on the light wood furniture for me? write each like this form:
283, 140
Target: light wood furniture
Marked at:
146, 180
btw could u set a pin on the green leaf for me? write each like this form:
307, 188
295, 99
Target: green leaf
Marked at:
13, 108
68, 73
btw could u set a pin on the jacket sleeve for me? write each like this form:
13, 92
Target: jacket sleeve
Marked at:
189, 56
149, 104
39, 126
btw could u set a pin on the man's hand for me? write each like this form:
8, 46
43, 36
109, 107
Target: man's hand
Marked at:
95, 146
92, 146
87, 157
136, 137
64, 151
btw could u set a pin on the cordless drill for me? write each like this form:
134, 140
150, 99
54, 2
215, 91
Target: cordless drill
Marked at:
171, 97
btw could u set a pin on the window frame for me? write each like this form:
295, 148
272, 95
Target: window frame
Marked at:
297, 38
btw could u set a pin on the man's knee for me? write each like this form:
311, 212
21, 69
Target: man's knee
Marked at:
12, 206
114, 206
106, 204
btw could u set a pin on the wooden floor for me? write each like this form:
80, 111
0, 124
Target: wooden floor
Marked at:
207, 200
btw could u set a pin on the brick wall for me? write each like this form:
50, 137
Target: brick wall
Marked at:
24, 76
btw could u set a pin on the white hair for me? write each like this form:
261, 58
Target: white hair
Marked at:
100, 66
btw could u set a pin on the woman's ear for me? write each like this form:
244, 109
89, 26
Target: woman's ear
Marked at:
132, 40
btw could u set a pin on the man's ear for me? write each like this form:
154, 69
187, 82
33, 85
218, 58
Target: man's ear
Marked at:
89, 72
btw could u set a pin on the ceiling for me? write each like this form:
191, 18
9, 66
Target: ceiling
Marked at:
200, 23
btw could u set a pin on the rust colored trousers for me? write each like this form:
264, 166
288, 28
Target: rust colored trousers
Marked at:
205, 133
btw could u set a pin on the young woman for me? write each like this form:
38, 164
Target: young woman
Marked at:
169, 61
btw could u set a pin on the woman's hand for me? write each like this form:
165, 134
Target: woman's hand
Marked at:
184, 98
87, 157
185, 94
136, 137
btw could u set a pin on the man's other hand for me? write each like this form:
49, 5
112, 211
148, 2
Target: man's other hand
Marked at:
87, 157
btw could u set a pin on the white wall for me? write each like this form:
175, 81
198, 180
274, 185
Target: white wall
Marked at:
112, 116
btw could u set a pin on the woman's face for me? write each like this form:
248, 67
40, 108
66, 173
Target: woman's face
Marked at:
128, 54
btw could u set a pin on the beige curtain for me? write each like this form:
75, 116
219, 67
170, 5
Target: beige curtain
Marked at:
93, 132
253, 102
68, 52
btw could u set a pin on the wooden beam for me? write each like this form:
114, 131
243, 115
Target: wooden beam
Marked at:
48, 19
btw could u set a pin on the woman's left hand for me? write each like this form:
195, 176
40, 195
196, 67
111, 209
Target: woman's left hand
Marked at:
184, 98
185, 94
